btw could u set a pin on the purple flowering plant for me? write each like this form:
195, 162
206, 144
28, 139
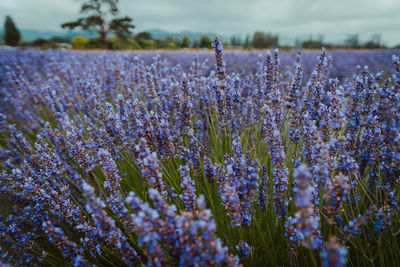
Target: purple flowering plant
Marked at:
227, 159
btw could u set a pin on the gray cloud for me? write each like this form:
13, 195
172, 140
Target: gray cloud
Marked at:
290, 18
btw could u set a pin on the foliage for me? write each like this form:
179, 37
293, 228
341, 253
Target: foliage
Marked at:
185, 42
94, 43
236, 40
11, 35
205, 42
265, 40
171, 46
352, 41
98, 11
59, 39
143, 35
117, 43
47, 44
79, 42
168, 41
147, 44
312, 44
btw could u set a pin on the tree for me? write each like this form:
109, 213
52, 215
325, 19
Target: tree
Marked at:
312, 44
11, 33
163, 43
236, 40
195, 44
262, 40
374, 42
352, 41
247, 40
143, 35
185, 42
205, 42
98, 11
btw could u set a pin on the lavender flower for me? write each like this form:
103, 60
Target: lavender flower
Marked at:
278, 157
111, 172
220, 61
231, 202
307, 221
189, 190
148, 162
396, 77
334, 254
244, 249
106, 229
68, 119
68, 248
292, 237
337, 191
264, 194
209, 170
354, 226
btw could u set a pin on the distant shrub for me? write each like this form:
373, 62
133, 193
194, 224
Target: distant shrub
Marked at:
147, 44
171, 46
59, 39
372, 45
94, 43
44, 44
79, 42
25, 44
117, 43
312, 44
49, 45
39, 42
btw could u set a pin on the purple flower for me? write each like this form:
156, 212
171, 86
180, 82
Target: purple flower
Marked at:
263, 193
244, 249
189, 190
209, 170
334, 255
105, 228
111, 172
148, 163
307, 220
219, 59
338, 187
292, 238
278, 158
68, 248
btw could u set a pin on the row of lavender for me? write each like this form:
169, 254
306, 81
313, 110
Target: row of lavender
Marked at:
113, 158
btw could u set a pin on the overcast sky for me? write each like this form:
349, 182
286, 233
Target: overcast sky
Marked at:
335, 19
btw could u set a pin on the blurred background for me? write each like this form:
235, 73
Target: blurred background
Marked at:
191, 24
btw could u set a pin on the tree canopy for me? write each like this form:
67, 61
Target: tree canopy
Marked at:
264, 40
205, 42
12, 35
96, 20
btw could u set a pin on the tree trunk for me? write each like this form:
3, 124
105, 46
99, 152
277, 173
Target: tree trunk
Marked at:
104, 40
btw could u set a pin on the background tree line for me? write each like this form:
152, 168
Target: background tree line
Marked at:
116, 34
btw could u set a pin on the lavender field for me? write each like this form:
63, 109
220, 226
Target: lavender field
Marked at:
209, 159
